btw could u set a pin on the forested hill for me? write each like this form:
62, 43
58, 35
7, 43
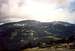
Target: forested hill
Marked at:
57, 27
20, 33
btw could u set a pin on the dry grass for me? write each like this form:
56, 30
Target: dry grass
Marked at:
48, 49
53, 48
57, 47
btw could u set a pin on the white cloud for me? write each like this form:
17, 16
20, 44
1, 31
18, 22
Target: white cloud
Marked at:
42, 10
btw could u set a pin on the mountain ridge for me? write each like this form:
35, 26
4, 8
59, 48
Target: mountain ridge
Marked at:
22, 32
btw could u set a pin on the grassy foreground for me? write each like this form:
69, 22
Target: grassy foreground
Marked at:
48, 49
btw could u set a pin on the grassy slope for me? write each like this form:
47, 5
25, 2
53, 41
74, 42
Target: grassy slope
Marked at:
48, 49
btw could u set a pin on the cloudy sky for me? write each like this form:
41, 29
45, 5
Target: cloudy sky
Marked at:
41, 10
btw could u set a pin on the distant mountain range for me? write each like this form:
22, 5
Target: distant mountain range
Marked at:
28, 30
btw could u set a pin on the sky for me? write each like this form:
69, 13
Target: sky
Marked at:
40, 10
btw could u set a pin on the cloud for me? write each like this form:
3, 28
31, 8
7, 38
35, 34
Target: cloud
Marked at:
12, 10
71, 6
71, 10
